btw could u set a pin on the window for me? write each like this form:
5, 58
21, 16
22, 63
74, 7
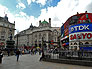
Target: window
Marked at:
87, 43
71, 47
39, 35
75, 47
75, 43
55, 39
71, 44
2, 37
36, 35
81, 43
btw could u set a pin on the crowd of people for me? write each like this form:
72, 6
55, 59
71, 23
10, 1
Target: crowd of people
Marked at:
21, 52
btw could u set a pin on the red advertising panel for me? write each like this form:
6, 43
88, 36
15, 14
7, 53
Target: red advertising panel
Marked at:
85, 17
66, 28
66, 32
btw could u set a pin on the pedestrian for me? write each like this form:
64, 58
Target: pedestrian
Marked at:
17, 54
1, 56
8, 52
43, 56
39, 51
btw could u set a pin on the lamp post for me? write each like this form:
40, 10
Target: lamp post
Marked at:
42, 48
42, 43
17, 39
17, 42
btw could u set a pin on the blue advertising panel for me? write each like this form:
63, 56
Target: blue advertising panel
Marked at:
86, 48
62, 30
84, 27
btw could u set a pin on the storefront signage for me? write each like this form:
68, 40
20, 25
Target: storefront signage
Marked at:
80, 28
80, 36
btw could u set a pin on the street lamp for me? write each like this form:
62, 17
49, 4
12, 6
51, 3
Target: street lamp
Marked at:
17, 39
42, 48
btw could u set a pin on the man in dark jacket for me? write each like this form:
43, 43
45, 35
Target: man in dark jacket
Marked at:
1, 56
17, 54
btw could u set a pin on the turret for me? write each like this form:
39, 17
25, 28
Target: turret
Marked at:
39, 22
50, 22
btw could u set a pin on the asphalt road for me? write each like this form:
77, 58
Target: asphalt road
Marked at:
32, 62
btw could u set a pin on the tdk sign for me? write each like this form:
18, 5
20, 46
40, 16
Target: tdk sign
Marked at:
80, 28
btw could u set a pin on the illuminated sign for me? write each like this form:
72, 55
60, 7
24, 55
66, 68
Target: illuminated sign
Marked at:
80, 36
80, 28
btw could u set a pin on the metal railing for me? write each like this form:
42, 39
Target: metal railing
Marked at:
69, 54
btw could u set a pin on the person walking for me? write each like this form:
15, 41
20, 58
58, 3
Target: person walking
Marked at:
17, 54
1, 56
8, 52
43, 56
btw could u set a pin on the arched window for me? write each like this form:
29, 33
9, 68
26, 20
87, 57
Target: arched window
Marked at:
71, 43
75, 43
87, 43
80, 43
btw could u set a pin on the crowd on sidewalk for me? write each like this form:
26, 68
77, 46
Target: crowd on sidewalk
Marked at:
20, 52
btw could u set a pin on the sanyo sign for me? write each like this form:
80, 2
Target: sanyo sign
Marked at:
80, 28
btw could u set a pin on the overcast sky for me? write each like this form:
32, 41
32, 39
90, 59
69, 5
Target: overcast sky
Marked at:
25, 12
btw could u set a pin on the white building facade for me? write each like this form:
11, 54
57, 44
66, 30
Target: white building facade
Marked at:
33, 35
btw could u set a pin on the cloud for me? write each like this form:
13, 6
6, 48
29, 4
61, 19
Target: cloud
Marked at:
21, 19
42, 2
20, 6
33, 0
58, 14
65, 9
56, 18
29, 2
3, 10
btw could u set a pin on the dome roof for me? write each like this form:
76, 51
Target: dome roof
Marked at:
44, 22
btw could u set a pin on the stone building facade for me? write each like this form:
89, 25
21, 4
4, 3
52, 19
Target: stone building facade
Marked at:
33, 35
6, 29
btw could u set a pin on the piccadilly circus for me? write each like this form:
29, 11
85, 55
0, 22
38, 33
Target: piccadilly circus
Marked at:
76, 32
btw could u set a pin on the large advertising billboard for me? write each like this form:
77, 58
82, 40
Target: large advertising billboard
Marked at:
80, 32
80, 36
85, 27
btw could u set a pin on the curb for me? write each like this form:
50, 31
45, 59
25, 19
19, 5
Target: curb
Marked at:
70, 61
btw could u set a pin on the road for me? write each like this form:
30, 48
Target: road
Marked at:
32, 62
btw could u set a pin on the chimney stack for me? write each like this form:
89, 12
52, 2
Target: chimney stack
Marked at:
77, 13
85, 11
39, 21
50, 22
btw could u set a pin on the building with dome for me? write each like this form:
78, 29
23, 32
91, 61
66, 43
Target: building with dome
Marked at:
33, 35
